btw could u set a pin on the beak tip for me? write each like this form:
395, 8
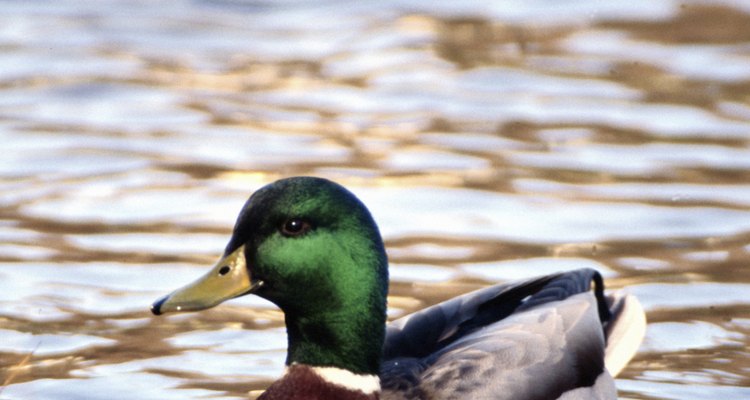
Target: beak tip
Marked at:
156, 307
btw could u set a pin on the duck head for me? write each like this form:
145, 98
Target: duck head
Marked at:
312, 248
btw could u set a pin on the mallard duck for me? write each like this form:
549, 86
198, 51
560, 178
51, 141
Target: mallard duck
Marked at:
312, 248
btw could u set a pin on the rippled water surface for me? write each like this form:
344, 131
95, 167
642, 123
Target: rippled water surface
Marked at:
491, 140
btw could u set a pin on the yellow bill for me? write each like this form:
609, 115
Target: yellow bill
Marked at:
228, 279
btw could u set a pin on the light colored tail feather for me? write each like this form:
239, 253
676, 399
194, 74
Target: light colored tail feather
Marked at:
625, 332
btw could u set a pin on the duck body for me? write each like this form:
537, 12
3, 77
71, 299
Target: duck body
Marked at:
312, 248
542, 338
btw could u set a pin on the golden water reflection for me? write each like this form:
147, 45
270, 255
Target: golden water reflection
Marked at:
490, 144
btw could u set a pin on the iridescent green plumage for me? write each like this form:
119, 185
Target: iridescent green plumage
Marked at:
331, 281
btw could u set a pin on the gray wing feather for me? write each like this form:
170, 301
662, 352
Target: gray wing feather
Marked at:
530, 349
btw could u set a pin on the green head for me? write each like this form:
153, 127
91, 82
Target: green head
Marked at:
312, 248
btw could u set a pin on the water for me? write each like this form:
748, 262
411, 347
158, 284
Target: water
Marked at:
491, 140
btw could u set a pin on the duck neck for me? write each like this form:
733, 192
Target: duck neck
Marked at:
346, 336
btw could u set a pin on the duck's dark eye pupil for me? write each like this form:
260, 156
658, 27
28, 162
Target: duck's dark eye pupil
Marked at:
294, 227
224, 270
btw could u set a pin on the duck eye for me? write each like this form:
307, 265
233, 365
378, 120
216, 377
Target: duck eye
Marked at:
295, 227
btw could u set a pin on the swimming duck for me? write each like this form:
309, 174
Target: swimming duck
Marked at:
312, 248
